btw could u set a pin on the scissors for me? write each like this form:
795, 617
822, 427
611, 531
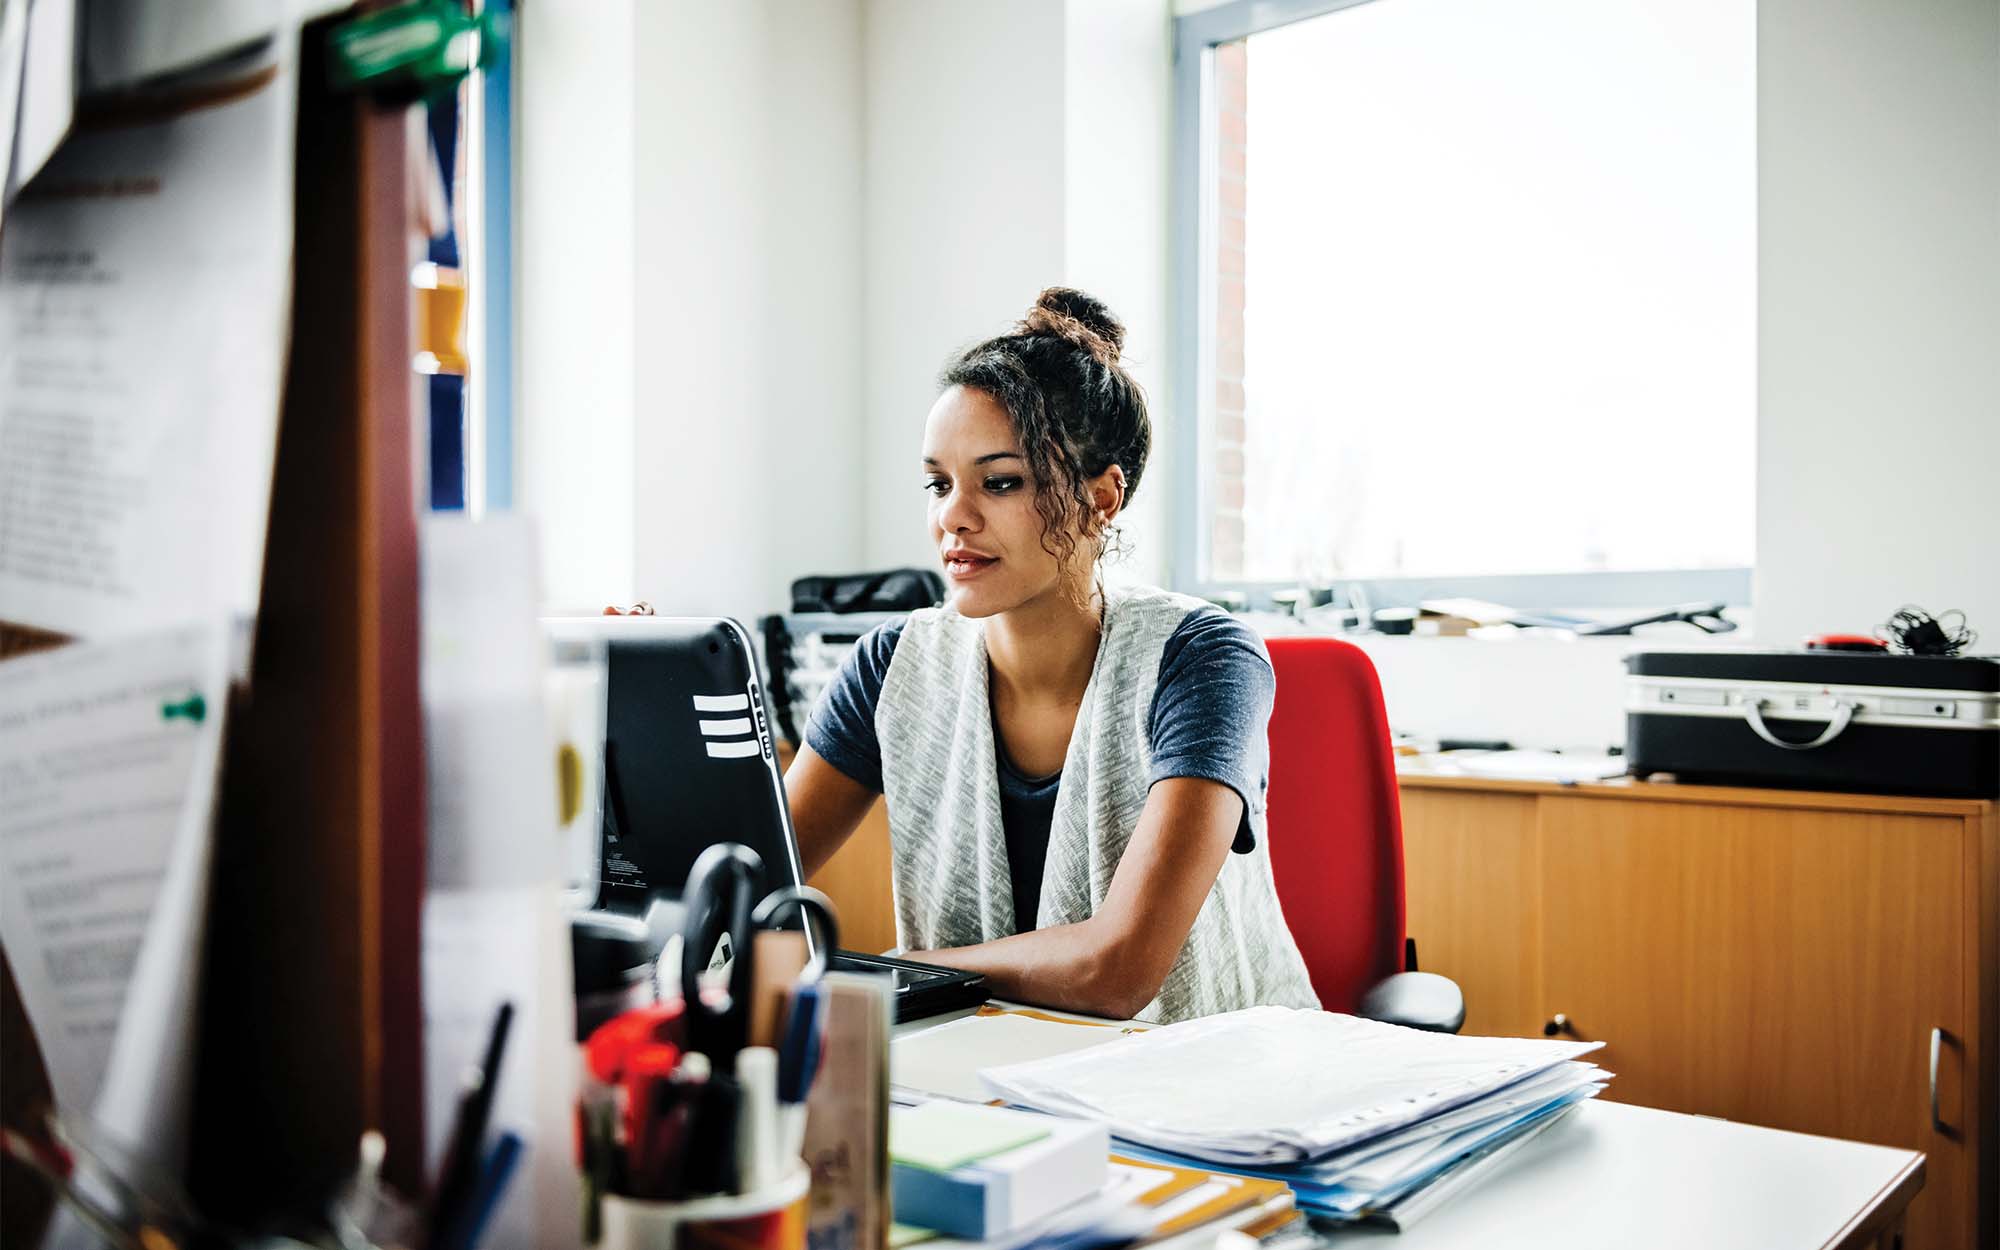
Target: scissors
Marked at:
815, 913
720, 888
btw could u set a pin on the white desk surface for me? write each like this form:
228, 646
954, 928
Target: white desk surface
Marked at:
1633, 1177
1636, 1178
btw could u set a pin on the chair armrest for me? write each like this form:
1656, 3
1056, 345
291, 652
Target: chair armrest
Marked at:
1420, 1000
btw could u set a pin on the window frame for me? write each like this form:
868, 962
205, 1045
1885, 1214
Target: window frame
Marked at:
488, 133
1194, 234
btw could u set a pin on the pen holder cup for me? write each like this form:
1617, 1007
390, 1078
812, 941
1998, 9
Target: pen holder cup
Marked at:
771, 1219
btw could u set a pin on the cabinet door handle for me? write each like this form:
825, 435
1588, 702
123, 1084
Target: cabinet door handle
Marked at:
1937, 1043
1559, 1023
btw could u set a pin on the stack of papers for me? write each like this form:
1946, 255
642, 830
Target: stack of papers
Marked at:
1355, 1116
945, 1061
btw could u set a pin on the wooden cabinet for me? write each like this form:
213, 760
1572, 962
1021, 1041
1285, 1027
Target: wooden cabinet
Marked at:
1473, 891
1772, 957
857, 879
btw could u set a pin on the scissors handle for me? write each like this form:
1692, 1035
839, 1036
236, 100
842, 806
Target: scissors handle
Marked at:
815, 912
720, 887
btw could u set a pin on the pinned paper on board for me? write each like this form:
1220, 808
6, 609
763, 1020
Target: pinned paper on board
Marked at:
39, 42
145, 280
107, 796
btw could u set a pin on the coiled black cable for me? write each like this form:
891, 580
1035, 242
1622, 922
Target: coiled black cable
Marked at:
1914, 631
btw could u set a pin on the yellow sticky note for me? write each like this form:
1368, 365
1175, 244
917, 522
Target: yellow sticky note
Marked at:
940, 1136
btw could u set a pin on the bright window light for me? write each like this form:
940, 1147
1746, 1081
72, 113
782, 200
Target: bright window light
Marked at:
1497, 302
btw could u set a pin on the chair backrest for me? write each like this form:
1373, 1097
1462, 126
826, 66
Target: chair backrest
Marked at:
1336, 825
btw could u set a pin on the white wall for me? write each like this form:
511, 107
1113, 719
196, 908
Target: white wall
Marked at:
747, 447
826, 200
820, 204
1879, 272
1117, 86
963, 203
690, 181
576, 223
1011, 148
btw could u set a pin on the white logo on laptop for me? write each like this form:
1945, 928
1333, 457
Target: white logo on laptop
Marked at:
727, 737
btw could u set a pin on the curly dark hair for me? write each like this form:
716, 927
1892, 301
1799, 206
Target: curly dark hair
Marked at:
1074, 407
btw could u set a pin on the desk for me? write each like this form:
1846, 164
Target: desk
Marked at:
1636, 1178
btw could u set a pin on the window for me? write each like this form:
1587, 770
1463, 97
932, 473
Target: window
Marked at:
1469, 297
471, 394
490, 248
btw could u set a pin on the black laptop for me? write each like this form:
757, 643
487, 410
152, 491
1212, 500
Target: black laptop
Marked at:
689, 761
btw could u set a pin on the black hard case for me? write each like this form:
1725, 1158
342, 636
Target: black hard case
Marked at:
1943, 760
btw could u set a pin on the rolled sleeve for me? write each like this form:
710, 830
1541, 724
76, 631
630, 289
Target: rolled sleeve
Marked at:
1211, 711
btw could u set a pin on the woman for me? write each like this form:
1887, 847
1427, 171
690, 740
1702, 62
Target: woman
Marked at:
1074, 774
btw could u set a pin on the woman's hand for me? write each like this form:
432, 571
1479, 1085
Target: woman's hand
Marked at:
1114, 963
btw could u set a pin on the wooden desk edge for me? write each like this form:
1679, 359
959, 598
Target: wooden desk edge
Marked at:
1689, 792
1884, 1212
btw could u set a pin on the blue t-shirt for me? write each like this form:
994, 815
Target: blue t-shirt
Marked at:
1210, 712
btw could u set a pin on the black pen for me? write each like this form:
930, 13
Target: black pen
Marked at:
709, 1165
475, 1107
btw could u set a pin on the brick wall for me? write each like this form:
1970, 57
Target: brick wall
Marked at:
1225, 467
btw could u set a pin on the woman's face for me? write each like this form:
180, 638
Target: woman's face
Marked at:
982, 507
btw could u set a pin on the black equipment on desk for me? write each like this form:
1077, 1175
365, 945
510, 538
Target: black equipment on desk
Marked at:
802, 656
688, 759
1824, 720
897, 590
689, 762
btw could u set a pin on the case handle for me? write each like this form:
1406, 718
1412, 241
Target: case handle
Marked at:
1843, 712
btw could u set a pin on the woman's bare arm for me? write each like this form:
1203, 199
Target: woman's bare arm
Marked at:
1114, 963
827, 805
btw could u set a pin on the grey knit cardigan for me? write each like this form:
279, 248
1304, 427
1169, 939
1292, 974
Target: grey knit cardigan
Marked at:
949, 851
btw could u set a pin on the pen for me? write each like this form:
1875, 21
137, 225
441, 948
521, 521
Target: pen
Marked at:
56, 1169
798, 1064
757, 1119
677, 1127
648, 1070
675, 1101
601, 1170
356, 1206
711, 1149
461, 1166
487, 1193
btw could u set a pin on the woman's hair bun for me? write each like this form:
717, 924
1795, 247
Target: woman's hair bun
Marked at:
1067, 313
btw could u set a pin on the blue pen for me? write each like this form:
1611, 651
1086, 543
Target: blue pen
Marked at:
798, 1064
491, 1187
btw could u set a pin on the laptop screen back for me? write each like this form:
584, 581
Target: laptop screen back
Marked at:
689, 759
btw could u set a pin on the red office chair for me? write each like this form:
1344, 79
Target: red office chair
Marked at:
1336, 834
